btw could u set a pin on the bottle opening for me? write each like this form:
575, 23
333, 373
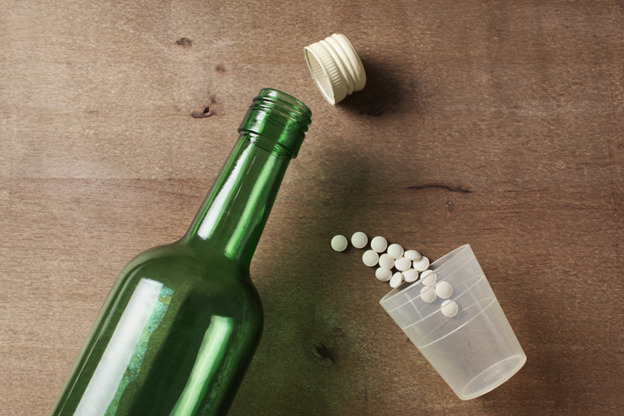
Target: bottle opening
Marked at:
278, 116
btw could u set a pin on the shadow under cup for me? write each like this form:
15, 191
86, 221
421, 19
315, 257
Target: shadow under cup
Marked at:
475, 350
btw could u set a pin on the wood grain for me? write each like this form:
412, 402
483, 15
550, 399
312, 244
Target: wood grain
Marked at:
494, 123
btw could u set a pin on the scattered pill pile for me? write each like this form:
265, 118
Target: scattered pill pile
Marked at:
394, 264
398, 266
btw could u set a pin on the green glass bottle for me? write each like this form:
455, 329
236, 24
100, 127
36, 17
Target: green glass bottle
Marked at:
179, 328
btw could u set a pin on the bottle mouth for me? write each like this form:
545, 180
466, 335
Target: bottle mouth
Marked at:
278, 116
280, 101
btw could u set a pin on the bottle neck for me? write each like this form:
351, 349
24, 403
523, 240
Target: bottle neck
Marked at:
235, 211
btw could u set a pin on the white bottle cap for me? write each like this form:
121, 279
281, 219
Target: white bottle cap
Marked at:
335, 67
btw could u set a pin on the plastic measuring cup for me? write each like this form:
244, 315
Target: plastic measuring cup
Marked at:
474, 351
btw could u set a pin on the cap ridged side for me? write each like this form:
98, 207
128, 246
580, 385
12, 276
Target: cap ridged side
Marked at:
351, 58
335, 88
338, 59
335, 67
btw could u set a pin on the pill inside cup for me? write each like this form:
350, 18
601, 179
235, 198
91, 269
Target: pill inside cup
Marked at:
427, 294
428, 277
449, 308
444, 290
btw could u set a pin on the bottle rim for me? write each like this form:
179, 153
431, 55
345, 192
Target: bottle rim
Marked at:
285, 102
279, 117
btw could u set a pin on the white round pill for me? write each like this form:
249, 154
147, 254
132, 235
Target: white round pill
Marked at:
359, 240
428, 277
412, 255
396, 280
402, 264
370, 258
395, 251
379, 244
410, 275
339, 243
382, 274
386, 261
444, 290
422, 264
427, 294
449, 308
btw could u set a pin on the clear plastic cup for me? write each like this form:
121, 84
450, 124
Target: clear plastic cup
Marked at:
474, 351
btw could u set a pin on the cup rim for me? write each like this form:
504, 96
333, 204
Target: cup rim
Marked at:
439, 264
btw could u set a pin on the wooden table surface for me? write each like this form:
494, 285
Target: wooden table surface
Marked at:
494, 123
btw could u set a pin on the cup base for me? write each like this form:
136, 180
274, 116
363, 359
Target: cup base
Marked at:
492, 377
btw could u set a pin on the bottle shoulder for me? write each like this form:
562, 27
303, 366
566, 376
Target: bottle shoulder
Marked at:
209, 276
182, 258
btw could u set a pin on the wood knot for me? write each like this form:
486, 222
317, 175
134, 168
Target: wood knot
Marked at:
184, 42
203, 114
320, 353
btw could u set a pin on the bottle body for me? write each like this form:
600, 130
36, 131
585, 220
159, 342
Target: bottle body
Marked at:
181, 325
174, 337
